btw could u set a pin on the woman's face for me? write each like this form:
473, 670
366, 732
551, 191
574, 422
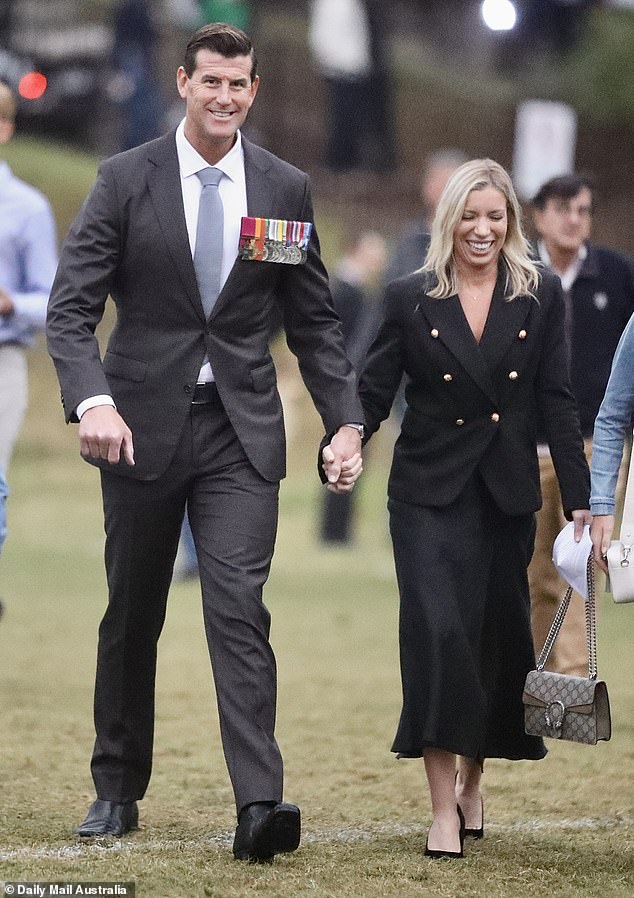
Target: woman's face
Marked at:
480, 234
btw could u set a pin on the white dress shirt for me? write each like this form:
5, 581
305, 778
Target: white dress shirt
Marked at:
233, 193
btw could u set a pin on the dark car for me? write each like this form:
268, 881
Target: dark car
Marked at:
56, 56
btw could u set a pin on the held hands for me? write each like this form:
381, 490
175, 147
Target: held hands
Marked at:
601, 535
342, 461
104, 434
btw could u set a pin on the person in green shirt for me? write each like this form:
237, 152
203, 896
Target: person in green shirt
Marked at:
234, 12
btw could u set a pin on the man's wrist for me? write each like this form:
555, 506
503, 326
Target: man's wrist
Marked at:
360, 429
93, 402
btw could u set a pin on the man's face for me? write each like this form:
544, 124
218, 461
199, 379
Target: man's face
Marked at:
218, 95
433, 184
565, 224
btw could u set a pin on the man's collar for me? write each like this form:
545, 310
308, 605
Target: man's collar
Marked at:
577, 261
570, 275
190, 161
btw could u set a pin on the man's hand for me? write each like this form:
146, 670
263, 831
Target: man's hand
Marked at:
104, 434
342, 460
6, 303
601, 535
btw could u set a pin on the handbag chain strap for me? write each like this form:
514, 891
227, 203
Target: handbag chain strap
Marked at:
591, 624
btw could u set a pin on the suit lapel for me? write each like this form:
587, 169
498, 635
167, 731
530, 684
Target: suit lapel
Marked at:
261, 190
164, 184
167, 199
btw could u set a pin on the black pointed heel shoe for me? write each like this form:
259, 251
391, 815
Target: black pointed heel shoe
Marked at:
437, 853
479, 832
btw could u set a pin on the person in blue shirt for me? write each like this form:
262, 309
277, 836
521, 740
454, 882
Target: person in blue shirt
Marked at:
28, 260
611, 428
4, 492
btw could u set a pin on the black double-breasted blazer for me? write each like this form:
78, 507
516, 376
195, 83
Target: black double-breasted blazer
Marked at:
130, 242
475, 406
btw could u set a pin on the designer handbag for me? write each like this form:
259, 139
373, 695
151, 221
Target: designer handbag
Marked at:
565, 707
620, 581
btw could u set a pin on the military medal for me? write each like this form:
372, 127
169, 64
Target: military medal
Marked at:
274, 240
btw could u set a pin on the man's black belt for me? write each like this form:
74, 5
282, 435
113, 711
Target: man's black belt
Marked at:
205, 393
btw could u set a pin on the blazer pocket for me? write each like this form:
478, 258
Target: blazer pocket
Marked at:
263, 378
121, 366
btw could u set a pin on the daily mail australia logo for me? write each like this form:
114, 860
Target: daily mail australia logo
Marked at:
47, 889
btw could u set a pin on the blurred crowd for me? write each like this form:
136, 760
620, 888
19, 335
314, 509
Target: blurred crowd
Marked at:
112, 59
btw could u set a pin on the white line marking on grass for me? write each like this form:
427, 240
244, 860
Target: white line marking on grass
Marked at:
343, 836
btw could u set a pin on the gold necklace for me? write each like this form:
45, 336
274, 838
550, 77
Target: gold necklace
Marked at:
471, 295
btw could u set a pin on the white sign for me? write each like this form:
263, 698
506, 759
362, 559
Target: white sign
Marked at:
545, 141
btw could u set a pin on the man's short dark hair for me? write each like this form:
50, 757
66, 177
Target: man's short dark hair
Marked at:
564, 187
220, 38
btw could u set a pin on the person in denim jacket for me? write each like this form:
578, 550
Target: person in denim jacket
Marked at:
612, 425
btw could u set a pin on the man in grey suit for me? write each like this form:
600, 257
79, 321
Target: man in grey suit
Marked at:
184, 409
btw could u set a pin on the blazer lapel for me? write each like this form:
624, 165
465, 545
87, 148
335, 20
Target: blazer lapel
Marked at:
164, 184
446, 317
504, 322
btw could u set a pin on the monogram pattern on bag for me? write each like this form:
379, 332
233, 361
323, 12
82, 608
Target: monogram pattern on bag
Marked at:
565, 707
560, 707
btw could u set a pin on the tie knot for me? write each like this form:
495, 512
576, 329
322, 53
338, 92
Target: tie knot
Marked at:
209, 176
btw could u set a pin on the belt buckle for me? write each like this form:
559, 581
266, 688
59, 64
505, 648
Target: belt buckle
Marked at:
206, 392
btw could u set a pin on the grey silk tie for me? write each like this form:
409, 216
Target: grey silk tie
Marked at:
209, 238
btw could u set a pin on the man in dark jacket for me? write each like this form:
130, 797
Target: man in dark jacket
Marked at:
199, 237
598, 286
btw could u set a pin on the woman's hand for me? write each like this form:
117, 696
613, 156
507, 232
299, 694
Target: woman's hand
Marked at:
349, 471
601, 534
581, 517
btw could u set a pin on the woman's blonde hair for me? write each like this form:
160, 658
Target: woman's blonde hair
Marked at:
522, 275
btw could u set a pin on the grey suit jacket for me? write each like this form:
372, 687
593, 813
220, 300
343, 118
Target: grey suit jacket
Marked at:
130, 241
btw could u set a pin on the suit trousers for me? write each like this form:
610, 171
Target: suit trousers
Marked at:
569, 654
233, 515
13, 398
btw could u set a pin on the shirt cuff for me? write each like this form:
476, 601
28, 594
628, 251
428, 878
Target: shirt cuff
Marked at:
600, 507
93, 402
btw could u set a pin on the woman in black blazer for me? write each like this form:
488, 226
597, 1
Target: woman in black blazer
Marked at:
479, 331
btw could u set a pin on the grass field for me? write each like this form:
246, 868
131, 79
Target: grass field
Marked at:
563, 826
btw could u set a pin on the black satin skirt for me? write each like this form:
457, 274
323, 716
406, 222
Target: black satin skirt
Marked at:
464, 631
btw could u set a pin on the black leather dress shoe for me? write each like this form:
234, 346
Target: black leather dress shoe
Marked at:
265, 830
109, 818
